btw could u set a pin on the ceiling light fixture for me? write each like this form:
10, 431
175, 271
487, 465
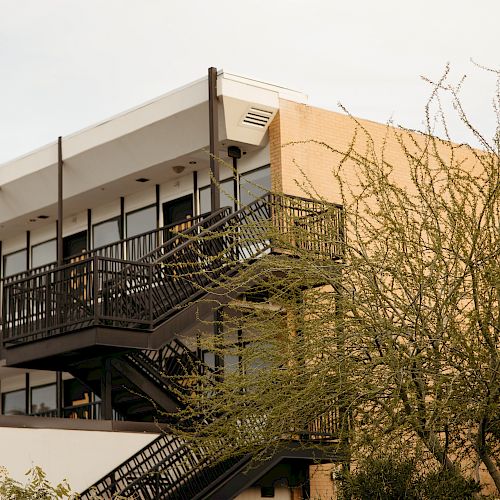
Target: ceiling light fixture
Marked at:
142, 179
178, 168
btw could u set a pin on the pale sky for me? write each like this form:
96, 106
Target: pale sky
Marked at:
66, 64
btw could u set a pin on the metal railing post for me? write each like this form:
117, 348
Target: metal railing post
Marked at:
47, 303
95, 286
150, 294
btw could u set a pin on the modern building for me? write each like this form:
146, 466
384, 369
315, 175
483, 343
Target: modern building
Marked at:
91, 321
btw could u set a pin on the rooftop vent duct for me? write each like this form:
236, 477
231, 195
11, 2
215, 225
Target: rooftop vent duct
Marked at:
256, 117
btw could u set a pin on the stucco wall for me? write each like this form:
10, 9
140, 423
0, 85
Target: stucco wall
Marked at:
81, 457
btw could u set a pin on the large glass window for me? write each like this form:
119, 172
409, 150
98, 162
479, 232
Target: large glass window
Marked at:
226, 196
44, 253
14, 403
14, 263
106, 232
43, 398
254, 184
141, 221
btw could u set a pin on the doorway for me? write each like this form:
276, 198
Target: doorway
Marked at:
178, 210
74, 245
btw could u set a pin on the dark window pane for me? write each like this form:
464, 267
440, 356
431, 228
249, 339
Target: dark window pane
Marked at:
141, 221
254, 184
44, 253
14, 263
14, 403
74, 245
43, 398
177, 210
75, 393
106, 232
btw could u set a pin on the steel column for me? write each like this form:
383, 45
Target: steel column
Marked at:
106, 388
59, 394
214, 140
59, 202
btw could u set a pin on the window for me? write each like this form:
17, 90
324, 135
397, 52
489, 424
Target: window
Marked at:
140, 221
254, 184
44, 253
14, 263
106, 232
14, 403
43, 398
226, 196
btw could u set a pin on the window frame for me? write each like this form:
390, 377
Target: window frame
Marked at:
4, 261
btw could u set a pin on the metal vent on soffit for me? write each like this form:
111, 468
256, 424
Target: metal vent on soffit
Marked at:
256, 117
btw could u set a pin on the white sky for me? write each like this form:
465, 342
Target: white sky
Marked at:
65, 64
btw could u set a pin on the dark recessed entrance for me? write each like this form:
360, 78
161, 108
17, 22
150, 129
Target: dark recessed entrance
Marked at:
74, 245
177, 210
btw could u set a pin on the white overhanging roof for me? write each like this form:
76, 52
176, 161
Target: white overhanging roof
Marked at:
139, 141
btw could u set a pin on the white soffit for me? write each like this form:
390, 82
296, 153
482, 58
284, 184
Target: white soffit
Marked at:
169, 127
116, 127
248, 110
250, 106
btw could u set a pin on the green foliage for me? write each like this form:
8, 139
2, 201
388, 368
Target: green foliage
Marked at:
394, 477
37, 487
396, 342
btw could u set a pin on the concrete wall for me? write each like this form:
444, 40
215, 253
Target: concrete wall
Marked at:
81, 457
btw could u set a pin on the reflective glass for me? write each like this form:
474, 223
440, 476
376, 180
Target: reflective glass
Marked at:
44, 253
14, 263
43, 398
226, 196
106, 232
254, 184
141, 221
14, 403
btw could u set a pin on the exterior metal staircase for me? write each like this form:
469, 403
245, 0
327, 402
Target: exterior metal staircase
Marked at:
146, 385
102, 289
167, 468
142, 294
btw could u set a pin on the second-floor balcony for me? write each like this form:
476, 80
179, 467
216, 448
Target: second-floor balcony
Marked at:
164, 270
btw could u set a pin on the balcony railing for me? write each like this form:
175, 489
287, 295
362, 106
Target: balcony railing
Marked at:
141, 294
132, 248
87, 411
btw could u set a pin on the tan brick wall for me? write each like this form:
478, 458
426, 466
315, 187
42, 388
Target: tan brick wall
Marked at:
275, 153
308, 166
321, 483
301, 166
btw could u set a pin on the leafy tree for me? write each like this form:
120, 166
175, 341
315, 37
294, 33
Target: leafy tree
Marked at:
393, 345
37, 487
396, 477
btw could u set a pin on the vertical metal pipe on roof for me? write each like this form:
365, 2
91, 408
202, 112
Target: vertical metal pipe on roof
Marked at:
214, 139
59, 202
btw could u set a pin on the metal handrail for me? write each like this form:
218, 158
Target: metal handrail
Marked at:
101, 251
116, 292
